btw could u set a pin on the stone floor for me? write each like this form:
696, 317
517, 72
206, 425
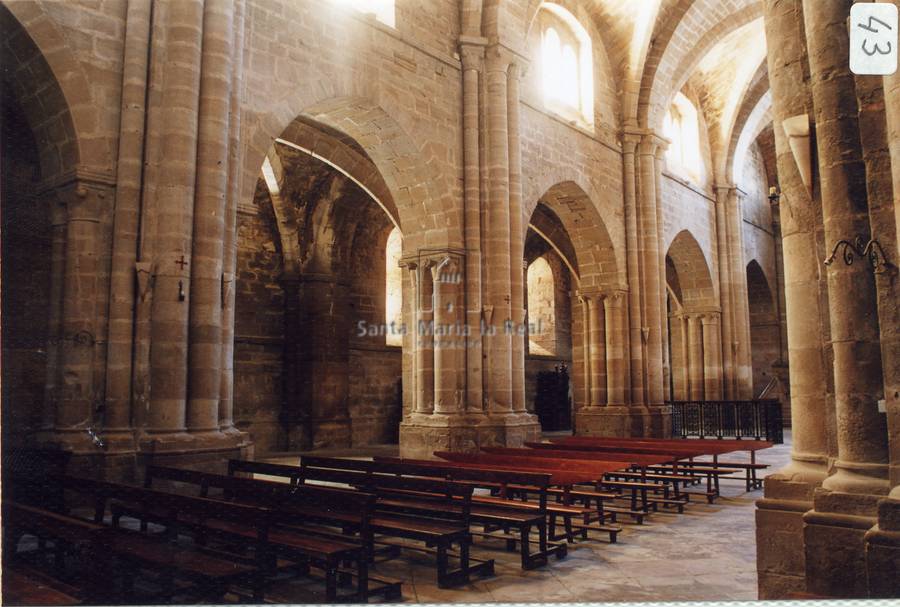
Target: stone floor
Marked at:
707, 553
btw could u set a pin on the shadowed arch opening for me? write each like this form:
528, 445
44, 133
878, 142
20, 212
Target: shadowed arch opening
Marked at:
38, 147
421, 195
566, 232
765, 346
319, 292
691, 304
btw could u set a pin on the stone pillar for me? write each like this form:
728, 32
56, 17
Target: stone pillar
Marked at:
616, 347
892, 394
424, 289
120, 346
324, 358
207, 255
176, 178
740, 305
516, 242
76, 389
229, 268
652, 327
781, 553
586, 347
472, 55
661, 146
598, 385
678, 337
634, 360
448, 393
58, 223
695, 357
725, 288
712, 357
497, 236
862, 432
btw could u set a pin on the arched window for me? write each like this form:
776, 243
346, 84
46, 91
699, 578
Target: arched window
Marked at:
541, 308
566, 65
382, 10
393, 292
682, 128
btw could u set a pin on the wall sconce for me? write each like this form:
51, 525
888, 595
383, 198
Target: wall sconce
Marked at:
871, 249
774, 194
181, 295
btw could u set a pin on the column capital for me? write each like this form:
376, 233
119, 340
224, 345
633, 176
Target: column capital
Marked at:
471, 52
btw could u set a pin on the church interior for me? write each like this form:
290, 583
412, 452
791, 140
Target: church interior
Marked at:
448, 301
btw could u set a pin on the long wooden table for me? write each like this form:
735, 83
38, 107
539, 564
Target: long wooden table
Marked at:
713, 447
593, 472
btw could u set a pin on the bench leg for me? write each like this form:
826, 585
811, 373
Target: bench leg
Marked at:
362, 579
442, 565
330, 582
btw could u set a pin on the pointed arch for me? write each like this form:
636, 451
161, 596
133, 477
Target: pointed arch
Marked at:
694, 279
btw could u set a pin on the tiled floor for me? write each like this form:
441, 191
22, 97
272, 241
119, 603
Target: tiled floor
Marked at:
708, 553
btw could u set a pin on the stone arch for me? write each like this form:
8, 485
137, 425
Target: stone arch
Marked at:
694, 279
592, 248
422, 195
678, 61
35, 54
765, 348
758, 119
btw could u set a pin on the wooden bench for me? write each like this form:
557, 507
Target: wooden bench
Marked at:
290, 537
635, 467
589, 472
483, 476
30, 582
441, 529
26, 586
208, 573
489, 513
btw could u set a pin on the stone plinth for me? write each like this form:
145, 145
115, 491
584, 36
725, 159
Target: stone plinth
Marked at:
883, 551
834, 538
624, 422
423, 434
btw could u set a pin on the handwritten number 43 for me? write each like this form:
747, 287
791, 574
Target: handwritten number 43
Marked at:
871, 28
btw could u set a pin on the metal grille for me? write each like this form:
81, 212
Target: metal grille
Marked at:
752, 419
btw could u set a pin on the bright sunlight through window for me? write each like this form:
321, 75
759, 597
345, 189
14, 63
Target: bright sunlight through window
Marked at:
566, 65
682, 128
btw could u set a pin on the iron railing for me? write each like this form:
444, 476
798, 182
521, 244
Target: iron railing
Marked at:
751, 419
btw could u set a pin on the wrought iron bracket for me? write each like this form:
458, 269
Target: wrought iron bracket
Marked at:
871, 249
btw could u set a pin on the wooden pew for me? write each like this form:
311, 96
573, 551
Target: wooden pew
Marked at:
436, 530
30, 583
581, 472
484, 477
639, 464
210, 574
684, 450
489, 514
565, 487
293, 508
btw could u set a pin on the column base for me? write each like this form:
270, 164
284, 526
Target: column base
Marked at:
883, 551
835, 544
208, 450
623, 421
857, 477
423, 434
780, 548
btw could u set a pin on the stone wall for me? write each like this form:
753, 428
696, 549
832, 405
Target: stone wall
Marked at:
259, 327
